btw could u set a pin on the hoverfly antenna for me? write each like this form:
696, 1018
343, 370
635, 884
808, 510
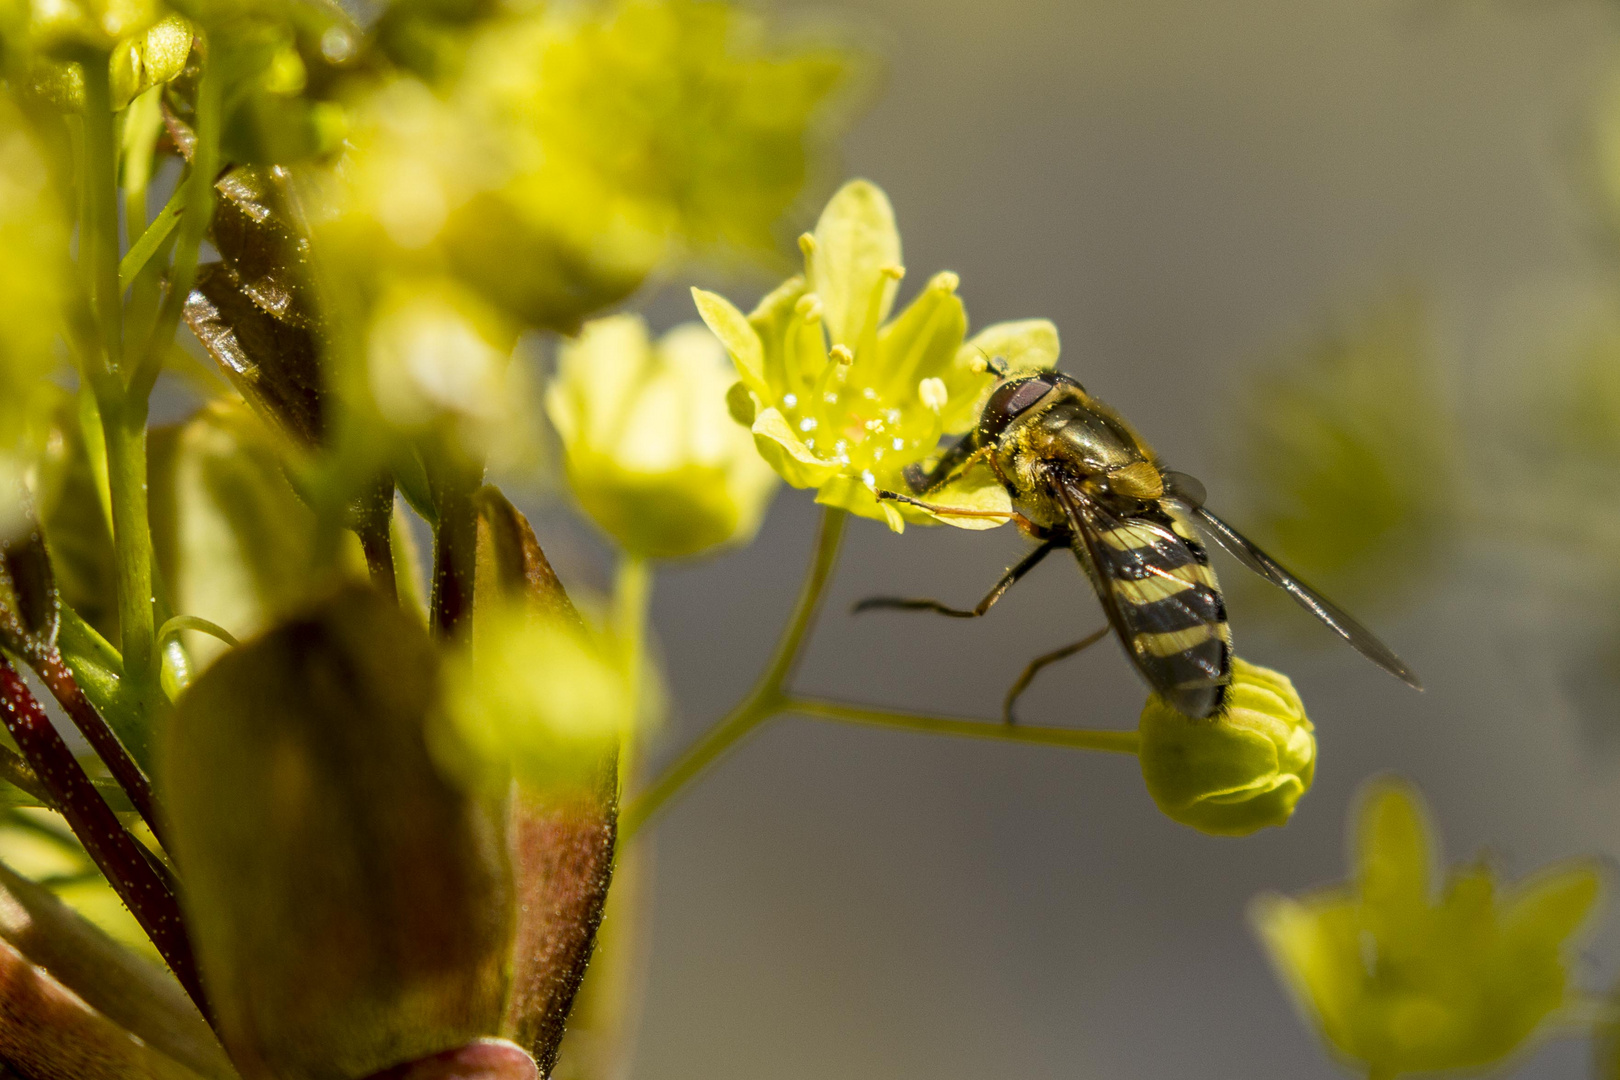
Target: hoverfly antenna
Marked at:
991, 363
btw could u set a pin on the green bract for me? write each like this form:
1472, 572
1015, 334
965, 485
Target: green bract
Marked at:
74, 27
1236, 772
1404, 981
652, 454
842, 399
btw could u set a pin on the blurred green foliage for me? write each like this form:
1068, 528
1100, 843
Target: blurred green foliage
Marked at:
1349, 459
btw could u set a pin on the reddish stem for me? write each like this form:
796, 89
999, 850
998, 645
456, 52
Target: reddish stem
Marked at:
130, 776
137, 882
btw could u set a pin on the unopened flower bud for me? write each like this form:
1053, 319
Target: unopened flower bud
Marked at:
1238, 771
654, 454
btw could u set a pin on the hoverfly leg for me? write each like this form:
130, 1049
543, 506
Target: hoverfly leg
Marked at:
949, 511
1010, 578
1034, 667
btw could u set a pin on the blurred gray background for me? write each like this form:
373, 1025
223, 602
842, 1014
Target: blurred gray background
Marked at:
1186, 187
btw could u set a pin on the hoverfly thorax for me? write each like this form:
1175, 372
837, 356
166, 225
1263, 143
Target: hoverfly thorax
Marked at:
1034, 423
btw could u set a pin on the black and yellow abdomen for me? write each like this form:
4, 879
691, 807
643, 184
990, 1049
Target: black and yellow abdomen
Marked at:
1171, 616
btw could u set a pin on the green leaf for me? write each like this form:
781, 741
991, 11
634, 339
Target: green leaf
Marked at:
235, 544
351, 905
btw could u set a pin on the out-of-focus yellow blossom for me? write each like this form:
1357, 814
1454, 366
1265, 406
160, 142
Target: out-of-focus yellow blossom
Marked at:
33, 275
578, 147
71, 28
653, 456
842, 399
1238, 771
1401, 980
538, 699
437, 354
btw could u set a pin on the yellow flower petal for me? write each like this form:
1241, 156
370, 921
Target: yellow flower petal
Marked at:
739, 337
854, 244
780, 445
1028, 345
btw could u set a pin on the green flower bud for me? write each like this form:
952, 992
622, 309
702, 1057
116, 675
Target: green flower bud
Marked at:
1239, 771
652, 453
1406, 978
145, 60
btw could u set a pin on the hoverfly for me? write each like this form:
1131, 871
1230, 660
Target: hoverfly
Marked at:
1081, 478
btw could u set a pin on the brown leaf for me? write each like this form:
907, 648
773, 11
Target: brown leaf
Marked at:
255, 234
272, 363
510, 561
562, 852
352, 907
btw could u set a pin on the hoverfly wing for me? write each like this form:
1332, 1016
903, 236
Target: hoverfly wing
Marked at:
1160, 596
1334, 617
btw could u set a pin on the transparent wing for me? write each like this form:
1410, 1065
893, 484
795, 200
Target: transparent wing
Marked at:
1331, 615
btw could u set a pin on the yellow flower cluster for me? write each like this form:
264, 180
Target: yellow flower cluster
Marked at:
840, 397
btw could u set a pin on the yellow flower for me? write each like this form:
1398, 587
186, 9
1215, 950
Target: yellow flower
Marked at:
842, 399
652, 454
538, 699
33, 276
1238, 771
1401, 980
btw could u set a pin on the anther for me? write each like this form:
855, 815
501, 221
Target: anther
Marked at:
842, 354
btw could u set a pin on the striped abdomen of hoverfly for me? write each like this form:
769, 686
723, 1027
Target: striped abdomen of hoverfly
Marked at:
1152, 570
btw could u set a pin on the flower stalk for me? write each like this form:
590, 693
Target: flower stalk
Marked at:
767, 697
771, 697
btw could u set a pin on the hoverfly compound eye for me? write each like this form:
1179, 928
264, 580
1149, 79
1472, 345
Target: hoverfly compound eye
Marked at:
1008, 400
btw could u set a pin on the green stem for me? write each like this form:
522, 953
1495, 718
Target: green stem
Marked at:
632, 594
198, 209
98, 235
1113, 742
768, 695
124, 422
